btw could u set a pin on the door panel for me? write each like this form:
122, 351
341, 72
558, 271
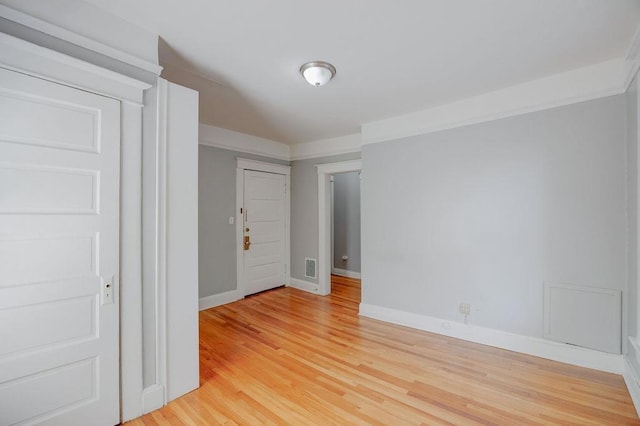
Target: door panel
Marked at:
264, 216
59, 213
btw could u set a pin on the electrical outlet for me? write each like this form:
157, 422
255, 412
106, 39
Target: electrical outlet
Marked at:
465, 308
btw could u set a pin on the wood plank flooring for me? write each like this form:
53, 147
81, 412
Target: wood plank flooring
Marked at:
290, 357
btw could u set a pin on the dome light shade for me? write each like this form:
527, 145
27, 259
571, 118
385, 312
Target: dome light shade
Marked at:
318, 73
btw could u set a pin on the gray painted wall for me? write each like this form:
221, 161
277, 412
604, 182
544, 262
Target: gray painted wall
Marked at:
488, 212
346, 221
304, 210
217, 202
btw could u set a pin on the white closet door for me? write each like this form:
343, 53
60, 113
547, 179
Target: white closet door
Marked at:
59, 213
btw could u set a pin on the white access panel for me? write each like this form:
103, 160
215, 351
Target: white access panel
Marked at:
585, 316
59, 239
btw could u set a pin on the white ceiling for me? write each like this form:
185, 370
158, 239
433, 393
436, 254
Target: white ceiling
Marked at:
392, 57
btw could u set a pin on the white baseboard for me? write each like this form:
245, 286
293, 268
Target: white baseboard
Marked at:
631, 380
556, 351
152, 398
304, 285
218, 299
345, 273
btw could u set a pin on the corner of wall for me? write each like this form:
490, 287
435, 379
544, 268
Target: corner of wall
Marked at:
303, 285
214, 300
543, 348
630, 373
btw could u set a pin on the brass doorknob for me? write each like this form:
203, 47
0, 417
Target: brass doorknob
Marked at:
246, 229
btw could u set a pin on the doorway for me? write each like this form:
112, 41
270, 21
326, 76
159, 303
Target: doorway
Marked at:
345, 224
325, 171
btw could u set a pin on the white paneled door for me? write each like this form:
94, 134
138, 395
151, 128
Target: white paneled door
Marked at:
264, 231
59, 204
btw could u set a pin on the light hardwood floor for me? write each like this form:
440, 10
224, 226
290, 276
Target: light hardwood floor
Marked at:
290, 357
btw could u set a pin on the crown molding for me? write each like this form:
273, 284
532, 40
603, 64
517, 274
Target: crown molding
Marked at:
77, 39
327, 147
241, 142
582, 84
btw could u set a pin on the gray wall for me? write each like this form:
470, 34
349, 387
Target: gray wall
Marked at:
217, 202
488, 212
304, 210
346, 221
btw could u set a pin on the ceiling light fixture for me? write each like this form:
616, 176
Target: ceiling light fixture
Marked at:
318, 73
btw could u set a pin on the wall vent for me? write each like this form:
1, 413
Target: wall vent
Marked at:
585, 316
309, 268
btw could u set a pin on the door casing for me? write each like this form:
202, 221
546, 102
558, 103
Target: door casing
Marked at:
324, 218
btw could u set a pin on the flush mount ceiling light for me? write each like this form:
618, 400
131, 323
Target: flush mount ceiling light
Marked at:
318, 73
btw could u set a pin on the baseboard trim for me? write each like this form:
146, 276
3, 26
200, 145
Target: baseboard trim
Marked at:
345, 273
631, 376
218, 299
556, 351
303, 285
152, 398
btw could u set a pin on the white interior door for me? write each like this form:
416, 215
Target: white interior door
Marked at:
59, 225
264, 229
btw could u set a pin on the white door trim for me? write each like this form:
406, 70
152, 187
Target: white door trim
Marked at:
324, 218
38, 61
260, 166
161, 245
50, 65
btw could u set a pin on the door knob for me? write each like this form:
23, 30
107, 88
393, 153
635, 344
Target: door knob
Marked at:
246, 229
247, 243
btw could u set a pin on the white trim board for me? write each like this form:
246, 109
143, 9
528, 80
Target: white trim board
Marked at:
152, 398
241, 142
262, 166
501, 339
345, 273
630, 377
582, 84
303, 285
326, 147
218, 300
77, 39
28, 58
160, 190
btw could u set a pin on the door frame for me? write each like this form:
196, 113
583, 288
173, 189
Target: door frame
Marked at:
47, 64
260, 166
324, 218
